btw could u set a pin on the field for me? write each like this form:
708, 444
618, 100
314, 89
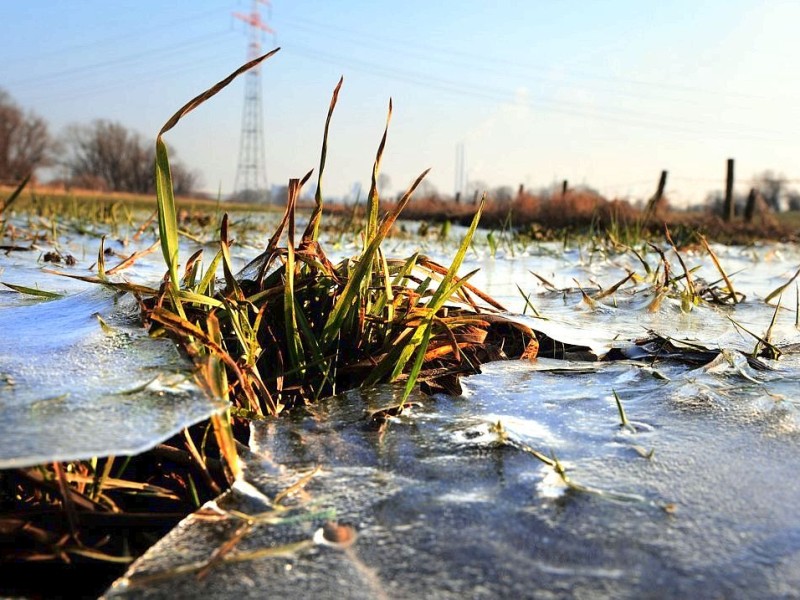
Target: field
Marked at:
403, 402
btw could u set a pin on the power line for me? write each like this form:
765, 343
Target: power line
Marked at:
436, 53
114, 63
113, 40
83, 89
462, 89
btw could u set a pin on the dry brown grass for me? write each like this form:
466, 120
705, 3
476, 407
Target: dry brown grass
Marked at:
584, 211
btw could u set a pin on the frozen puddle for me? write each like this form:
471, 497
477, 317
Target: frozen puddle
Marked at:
691, 501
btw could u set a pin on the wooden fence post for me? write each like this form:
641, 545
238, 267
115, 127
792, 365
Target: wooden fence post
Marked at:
728, 209
652, 205
750, 208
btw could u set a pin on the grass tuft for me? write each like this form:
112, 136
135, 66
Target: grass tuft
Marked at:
293, 327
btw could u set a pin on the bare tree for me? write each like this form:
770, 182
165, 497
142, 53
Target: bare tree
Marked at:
771, 185
109, 152
426, 189
184, 180
24, 140
715, 203
793, 198
120, 158
476, 189
503, 193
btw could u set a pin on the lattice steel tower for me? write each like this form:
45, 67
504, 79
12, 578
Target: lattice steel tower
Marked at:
251, 175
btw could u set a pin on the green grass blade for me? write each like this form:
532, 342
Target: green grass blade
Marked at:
528, 303
407, 350
123, 286
208, 277
372, 199
290, 319
405, 270
31, 291
623, 418
448, 286
778, 291
167, 216
418, 361
167, 219
312, 230
15, 194
397, 361
386, 297
453, 289
317, 358
401, 348
360, 273
201, 299
440, 296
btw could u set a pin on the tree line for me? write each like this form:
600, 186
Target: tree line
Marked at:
101, 155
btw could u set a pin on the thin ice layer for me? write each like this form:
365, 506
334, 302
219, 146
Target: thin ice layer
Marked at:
71, 389
695, 498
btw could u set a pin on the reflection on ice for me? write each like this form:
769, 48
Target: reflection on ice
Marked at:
484, 431
73, 391
444, 509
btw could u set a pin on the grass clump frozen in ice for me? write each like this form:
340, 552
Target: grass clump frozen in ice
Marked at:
293, 327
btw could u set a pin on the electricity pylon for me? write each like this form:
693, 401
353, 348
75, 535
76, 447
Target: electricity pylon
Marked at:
251, 175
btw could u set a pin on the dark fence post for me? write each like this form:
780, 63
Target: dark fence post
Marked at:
750, 208
652, 205
564, 187
727, 212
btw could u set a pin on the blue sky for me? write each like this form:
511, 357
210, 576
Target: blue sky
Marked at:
603, 93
